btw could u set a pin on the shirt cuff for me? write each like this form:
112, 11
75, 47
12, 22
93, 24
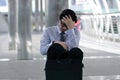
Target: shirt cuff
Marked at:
70, 31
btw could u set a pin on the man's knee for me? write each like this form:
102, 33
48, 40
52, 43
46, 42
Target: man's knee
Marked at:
76, 53
55, 46
54, 51
76, 50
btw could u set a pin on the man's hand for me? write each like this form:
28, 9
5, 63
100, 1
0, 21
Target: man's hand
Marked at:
69, 22
63, 44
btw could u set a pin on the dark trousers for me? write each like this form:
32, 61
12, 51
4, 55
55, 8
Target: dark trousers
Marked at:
62, 64
56, 51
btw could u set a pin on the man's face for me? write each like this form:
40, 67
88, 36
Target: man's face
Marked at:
63, 26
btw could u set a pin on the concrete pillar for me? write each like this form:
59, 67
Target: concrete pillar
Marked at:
36, 15
24, 29
41, 15
53, 9
12, 24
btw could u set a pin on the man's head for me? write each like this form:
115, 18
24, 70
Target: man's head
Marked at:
64, 13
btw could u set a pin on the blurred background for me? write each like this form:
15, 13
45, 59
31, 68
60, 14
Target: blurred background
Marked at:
23, 21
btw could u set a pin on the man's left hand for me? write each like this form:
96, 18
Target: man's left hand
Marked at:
69, 22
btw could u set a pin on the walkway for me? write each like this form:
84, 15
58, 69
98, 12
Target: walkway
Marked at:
99, 65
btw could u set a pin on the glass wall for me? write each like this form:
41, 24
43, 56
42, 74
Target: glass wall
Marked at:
89, 6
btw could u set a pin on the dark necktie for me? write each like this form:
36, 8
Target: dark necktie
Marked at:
62, 36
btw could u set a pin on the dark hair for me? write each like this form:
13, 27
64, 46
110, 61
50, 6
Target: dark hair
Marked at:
68, 12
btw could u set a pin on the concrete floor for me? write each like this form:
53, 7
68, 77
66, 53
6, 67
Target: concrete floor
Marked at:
99, 65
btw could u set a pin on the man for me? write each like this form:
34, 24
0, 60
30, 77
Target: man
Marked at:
62, 41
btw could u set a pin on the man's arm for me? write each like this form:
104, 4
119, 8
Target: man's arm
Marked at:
73, 34
45, 42
73, 38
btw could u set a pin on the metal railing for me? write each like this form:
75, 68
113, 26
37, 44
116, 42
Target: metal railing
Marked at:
102, 26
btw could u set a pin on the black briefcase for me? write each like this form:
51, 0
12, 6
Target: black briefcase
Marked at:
65, 69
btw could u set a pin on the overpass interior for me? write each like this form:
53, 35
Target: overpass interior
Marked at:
100, 41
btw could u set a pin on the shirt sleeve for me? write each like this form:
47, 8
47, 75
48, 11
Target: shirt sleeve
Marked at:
73, 38
45, 43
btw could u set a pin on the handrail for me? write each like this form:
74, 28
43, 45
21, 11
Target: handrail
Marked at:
113, 13
102, 25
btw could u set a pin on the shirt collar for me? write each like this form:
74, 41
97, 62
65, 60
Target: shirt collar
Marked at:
58, 29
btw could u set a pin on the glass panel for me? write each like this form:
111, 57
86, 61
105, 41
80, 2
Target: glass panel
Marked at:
2, 2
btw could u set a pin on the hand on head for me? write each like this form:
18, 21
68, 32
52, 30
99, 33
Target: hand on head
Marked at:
68, 21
